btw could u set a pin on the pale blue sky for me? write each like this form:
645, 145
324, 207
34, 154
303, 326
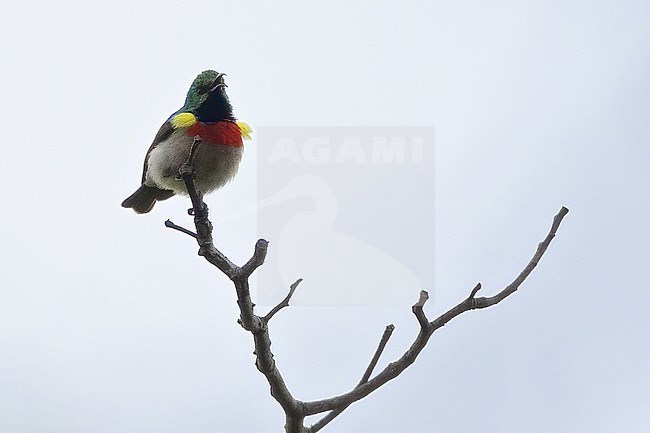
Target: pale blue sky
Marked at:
110, 322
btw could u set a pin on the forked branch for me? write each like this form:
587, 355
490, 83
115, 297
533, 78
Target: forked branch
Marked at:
428, 328
296, 410
239, 276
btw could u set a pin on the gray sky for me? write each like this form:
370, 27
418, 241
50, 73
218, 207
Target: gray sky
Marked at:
111, 323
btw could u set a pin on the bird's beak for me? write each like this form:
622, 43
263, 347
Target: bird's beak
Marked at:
218, 82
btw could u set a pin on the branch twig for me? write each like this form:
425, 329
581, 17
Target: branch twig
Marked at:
475, 290
171, 225
256, 261
418, 310
388, 332
283, 303
317, 426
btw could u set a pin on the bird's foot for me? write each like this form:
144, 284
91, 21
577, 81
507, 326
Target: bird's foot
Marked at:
192, 212
185, 170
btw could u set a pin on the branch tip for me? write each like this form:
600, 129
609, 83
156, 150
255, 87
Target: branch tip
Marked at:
295, 284
424, 297
317, 426
283, 303
475, 290
418, 309
171, 225
259, 255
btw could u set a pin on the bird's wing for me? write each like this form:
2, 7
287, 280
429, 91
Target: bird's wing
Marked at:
163, 133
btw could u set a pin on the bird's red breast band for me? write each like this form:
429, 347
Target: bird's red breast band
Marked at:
224, 133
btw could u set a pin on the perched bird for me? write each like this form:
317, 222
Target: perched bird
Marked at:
207, 113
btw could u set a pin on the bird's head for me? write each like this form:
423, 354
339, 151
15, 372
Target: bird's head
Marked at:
207, 98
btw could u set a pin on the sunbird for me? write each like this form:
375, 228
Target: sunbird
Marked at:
208, 115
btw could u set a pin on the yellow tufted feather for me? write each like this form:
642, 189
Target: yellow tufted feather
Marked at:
245, 130
183, 120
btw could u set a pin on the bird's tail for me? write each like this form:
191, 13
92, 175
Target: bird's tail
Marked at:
145, 197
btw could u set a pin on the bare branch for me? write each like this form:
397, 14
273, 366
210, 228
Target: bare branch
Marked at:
475, 290
375, 358
256, 261
201, 221
390, 372
317, 426
284, 302
171, 225
249, 321
394, 369
541, 249
296, 410
418, 309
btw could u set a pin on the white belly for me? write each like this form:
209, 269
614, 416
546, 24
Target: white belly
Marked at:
215, 164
